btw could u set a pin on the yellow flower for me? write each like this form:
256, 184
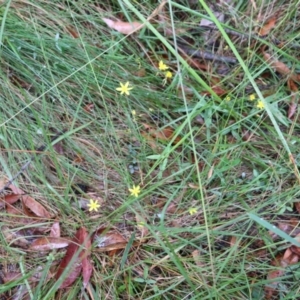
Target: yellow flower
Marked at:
94, 205
260, 104
168, 74
124, 88
227, 98
162, 66
141, 224
133, 112
135, 191
252, 97
192, 211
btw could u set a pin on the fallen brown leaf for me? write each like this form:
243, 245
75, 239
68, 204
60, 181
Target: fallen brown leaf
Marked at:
233, 242
217, 90
16, 190
129, 28
11, 276
164, 134
73, 32
294, 101
38, 209
55, 230
89, 107
81, 239
123, 27
291, 256
297, 206
87, 268
268, 26
279, 66
14, 238
49, 243
281, 262
109, 241
198, 259
58, 147
11, 199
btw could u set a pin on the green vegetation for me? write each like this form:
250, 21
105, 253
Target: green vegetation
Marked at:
213, 149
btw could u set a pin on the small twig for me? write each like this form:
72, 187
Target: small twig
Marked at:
206, 55
26, 165
253, 36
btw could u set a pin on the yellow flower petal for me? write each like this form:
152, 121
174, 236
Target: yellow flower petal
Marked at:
135, 191
168, 74
93, 205
162, 66
124, 88
192, 211
252, 97
260, 104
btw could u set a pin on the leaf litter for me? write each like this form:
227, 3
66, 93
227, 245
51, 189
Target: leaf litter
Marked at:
77, 260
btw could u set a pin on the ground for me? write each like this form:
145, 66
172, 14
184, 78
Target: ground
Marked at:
163, 145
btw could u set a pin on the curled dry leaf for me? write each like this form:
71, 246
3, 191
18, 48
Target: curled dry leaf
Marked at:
72, 30
198, 259
11, 199
279, 66
89, 107
164, 134
74, 261
128, 28
217, 90
123, 27
87, 270
289, 257
297, 206
284, 70
161, 202
287, 228
270, 290
14, 238
268, 26
49, 243
16, 190
294, 101
55, 230
233, 242
109, 241
58, 147
11, 276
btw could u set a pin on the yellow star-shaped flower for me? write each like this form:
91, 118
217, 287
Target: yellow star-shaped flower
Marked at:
162, 66
260, 104
252, 97
192, 211
124, 88
168, 74
93, 205
135, 191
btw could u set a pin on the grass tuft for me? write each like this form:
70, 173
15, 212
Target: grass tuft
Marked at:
205, 160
